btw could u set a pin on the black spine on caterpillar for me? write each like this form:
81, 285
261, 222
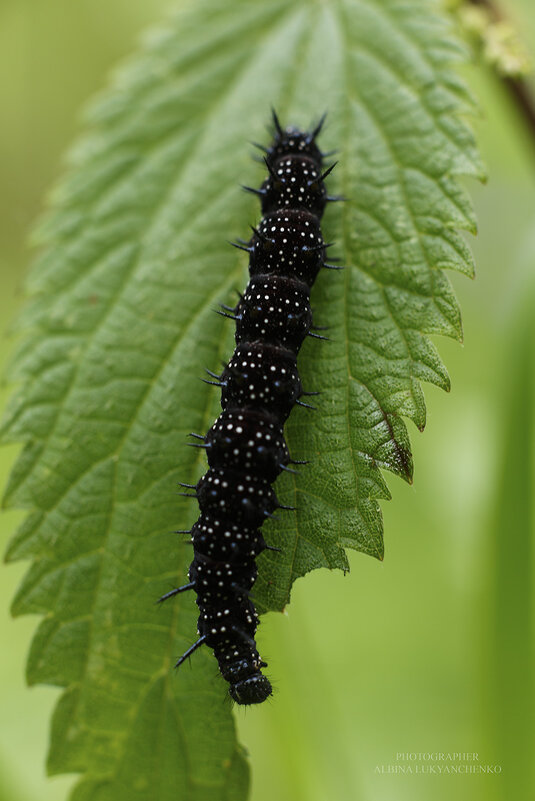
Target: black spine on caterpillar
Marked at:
245, 446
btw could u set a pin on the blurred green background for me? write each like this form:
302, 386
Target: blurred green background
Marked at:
429, 651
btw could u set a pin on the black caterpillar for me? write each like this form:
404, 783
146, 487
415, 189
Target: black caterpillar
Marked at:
259, 386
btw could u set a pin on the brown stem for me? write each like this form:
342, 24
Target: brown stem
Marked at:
518, 89
519, 92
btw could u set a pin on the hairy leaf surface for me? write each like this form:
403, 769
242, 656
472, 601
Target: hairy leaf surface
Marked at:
120, 325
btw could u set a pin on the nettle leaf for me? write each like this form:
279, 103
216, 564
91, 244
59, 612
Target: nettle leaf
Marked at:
120, 326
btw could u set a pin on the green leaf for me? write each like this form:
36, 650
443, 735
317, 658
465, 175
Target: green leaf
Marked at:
120, 325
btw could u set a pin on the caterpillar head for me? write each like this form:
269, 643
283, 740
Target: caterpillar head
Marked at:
252, 690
